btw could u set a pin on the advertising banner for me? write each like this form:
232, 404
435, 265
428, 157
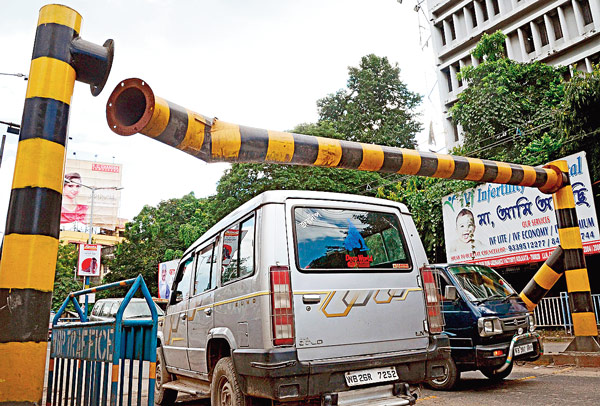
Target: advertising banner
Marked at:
166, 275
89, 260
80, 178
502, 225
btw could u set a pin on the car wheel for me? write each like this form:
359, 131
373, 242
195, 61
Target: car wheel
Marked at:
162, 396
225, 388
450, 378
494, 375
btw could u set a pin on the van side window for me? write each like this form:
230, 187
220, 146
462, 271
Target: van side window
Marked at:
182, 282
204, 270
238, 251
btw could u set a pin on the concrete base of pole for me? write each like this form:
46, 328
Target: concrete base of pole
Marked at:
584, 344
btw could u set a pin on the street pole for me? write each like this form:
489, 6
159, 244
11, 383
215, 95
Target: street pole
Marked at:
91, 224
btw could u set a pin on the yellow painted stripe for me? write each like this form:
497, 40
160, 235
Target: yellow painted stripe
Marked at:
51, 79
563, 198
529, 176
372, 157
411, 162
28, 262
281, 147
570, 238
530, 305
445, 167
59, 14
194, 135
504, 172
115, 373
577, 280
330, 152
152, 371
584, 324
39, 163
22, 371
546, 277
476, 169
159, 120
226, 140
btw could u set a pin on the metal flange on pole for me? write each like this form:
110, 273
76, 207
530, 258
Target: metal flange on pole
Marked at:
60, 57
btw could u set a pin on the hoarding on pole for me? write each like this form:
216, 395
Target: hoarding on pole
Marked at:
88, 263
166, 275
502, 225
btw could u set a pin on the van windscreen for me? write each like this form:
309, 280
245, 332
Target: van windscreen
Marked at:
330, 239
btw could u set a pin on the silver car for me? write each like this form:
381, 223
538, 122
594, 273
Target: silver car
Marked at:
106, 309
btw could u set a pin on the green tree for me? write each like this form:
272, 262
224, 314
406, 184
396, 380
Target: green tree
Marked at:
376, 107
64, 279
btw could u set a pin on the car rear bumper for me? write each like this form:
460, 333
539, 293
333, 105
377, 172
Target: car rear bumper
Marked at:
277, 374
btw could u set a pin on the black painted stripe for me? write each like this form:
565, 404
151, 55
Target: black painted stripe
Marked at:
581, 302
490, 172
53, 40
34, 211
556, 260
29, 320
541, 177
567, 218
429, 164
306, 149
45, 118
574, 258
517, 174
462, 167
205, 151
352, 155
177, 126
254, 144
392, 160
534, 292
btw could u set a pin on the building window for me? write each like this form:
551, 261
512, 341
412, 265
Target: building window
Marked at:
558, 34
452, 29
585, 10
446, 73
543, 33
471, 9
496, 7
528, 38
455, 131
440, 28
484, 10
457, 69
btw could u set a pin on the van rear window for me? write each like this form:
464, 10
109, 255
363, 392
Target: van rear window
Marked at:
334, 239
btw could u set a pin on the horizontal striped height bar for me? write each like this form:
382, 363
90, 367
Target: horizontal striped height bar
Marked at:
544, 279
133, 107
22, 381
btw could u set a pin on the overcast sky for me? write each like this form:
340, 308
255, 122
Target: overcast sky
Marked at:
261, 63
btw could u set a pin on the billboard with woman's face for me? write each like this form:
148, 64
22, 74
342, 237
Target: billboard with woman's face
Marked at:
80, 178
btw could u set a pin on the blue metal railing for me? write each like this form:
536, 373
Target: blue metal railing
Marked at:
94, 363
555, 311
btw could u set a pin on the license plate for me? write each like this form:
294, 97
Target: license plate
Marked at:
523, 349
368, 376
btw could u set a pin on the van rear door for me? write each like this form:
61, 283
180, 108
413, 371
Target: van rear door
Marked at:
354, 278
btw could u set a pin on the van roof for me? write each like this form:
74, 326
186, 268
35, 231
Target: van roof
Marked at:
280, 196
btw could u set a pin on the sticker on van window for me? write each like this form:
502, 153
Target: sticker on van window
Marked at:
360, 261
400, 266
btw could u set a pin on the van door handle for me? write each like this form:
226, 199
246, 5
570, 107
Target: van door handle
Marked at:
208, 311
311, 299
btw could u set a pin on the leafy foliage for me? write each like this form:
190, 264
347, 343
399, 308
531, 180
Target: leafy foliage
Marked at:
376, 107
64, 279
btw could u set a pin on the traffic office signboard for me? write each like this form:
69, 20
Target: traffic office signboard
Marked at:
502, 225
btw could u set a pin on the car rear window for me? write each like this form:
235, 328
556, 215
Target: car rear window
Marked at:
341, 239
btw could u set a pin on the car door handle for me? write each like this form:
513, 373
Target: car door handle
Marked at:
208, 311
311, 299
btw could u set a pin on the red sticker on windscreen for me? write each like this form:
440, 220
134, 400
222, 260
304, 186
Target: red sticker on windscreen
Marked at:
400, 266
361, 261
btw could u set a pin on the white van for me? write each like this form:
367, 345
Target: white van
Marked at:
302, 298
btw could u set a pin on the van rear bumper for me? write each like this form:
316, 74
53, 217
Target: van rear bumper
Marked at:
277, 374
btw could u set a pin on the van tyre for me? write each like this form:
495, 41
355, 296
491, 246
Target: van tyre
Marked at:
225, 389
494, 375
162, 396
450, 378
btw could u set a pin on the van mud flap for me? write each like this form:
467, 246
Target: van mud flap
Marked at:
397, 394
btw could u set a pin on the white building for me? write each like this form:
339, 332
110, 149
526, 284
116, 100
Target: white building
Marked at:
556, 32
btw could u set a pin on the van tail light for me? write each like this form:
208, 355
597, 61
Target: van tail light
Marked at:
282, 312
435, 319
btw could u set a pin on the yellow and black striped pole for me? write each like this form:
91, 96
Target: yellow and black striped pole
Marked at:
578, 284
544, 279
133, 108
30, 246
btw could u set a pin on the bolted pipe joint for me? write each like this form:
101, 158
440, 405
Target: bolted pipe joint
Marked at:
92, 62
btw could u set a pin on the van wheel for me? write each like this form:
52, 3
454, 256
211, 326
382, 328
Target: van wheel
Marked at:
225, 388
162, 396
494, 375
450, 378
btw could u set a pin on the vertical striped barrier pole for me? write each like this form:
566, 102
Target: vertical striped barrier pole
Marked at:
544, 279
30, 246
578, 283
